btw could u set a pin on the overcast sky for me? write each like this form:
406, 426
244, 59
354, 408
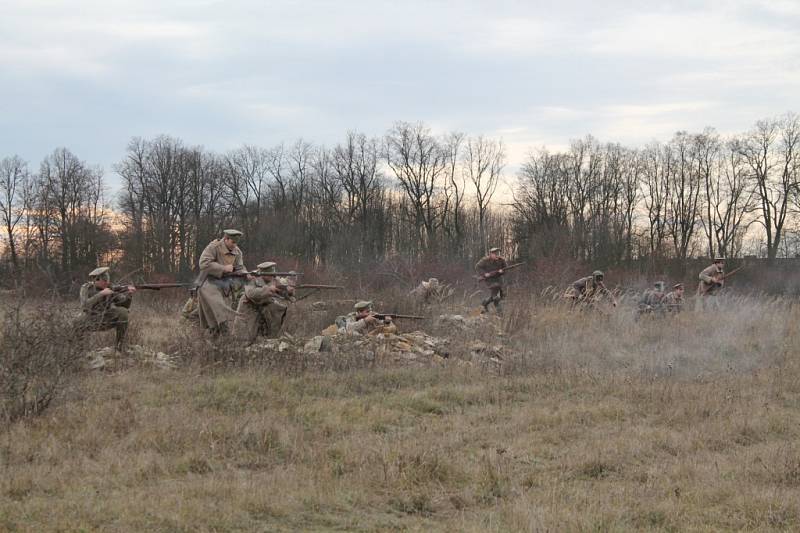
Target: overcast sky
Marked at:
90, 74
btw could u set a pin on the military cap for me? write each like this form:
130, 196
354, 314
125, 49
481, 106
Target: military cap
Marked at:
597, 274
232, 233
719, 258
433, 281
363, 304
494, 250
98, 273
266, 267
678, 286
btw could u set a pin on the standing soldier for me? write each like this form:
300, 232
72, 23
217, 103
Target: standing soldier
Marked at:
262, 307
589, 289
491, 269
673, 300
103, 308
215, 291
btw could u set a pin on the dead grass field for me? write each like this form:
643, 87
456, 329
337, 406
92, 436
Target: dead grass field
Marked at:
591, 423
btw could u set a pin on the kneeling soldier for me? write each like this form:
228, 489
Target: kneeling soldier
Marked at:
673, 300
262, 309
103, 307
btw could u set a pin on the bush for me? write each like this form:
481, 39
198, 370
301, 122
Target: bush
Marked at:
39, 353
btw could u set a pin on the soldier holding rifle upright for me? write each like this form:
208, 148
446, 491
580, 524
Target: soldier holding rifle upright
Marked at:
104, 307
490, 270
220, 264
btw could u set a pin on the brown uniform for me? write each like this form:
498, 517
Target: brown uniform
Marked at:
104, 312
494, 283
215, 293
672, 302
708, 280
350, 324
260, 311
586, 289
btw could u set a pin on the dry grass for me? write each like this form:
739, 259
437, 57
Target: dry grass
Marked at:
592, 423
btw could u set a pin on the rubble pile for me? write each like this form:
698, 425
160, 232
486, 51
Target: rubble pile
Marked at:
109, 359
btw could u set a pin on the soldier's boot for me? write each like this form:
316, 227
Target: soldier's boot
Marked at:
485, 305
122, 330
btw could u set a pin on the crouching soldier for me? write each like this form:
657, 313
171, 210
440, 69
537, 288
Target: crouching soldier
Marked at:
673, 300
103, 307
652, 299
263, 306
589, 290
363, 321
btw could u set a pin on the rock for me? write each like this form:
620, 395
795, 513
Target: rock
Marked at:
319, 343
453, 320
283, 346
319, 306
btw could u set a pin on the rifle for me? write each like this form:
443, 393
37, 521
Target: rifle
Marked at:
243, 273
732, 272
151, 286
312, 286
495, 273
382, 316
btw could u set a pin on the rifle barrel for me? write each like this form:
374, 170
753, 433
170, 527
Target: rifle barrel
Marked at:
409, 317
314, 286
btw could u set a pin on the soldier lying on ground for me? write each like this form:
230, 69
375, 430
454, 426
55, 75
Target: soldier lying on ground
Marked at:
490, 268
363, 321
589, 290
216, 292
263, 306
103, 308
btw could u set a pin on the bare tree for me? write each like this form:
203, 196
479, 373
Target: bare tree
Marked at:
773, 178
14, 179
685, 186
484, 160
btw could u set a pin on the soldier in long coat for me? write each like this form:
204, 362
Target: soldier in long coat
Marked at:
216, 285
490, 269
103, 308
263, 306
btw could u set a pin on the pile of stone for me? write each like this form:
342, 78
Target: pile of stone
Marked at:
109, 359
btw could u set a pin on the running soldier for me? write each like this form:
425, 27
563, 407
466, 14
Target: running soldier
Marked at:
491, 269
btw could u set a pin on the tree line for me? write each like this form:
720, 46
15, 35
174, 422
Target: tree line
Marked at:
411, 193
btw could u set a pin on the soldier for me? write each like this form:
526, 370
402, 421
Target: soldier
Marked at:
103, 308
215, 292
362, 321
491, 269
431, 290
190, 309
652, 299
263, 306
673, 300
712, 278
588, 290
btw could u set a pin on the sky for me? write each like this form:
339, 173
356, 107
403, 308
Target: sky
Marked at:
91, 74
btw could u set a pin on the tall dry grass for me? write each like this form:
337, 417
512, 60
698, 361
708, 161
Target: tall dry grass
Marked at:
591, 422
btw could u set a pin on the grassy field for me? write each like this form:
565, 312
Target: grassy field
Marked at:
598, 423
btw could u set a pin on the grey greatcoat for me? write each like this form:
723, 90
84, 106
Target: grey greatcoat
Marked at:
214, 291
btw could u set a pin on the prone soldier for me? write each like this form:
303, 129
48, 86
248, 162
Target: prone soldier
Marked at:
103, 307
490, 270
364, 321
